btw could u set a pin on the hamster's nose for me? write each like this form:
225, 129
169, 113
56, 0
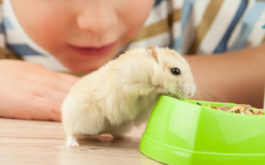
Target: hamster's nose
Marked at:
191, 90
190, 94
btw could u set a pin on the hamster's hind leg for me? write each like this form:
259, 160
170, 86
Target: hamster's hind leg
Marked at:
72, 141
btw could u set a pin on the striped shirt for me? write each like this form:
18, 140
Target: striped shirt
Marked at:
189, 26
204, 26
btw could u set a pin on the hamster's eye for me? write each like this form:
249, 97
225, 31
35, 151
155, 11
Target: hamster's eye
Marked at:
175, 71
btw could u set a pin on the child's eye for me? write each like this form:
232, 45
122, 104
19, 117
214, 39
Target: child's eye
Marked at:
175, 71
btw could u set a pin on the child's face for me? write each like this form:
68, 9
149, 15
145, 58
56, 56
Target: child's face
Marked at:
82, 34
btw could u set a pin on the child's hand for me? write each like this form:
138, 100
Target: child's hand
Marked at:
31, 91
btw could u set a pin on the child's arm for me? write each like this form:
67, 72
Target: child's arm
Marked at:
30, 91
231, 77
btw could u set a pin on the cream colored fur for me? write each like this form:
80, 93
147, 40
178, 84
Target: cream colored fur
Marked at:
123, 92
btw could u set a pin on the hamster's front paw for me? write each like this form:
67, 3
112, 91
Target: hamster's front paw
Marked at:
72, 142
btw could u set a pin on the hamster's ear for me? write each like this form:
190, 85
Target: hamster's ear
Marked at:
153, 52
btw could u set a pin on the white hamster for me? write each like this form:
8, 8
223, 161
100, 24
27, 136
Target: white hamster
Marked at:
123, 92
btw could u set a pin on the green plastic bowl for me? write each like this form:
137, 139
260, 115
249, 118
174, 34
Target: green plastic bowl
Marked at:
185, 133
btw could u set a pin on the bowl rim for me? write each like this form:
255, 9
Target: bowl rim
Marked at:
204, 107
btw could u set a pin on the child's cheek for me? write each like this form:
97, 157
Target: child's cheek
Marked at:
134, 19
44, 23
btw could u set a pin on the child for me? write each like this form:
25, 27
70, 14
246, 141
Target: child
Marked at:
80, 36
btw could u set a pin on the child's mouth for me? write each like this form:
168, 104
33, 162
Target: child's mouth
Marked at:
92, 51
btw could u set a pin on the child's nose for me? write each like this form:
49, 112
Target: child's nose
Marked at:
98, 19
